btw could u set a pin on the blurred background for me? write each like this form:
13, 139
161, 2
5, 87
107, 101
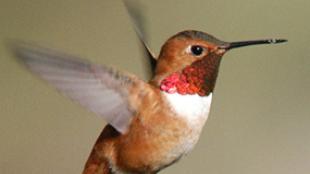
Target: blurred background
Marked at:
260, 119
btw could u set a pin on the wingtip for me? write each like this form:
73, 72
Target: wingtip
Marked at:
20, 49
16, 48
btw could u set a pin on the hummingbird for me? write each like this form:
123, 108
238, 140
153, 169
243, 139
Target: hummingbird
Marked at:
151, 125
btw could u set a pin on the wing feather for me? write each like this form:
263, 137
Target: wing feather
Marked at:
100, 89
138, 24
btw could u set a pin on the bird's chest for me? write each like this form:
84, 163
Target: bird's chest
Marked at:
194, 109
165, 137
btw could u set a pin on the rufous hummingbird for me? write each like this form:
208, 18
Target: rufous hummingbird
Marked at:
151, 124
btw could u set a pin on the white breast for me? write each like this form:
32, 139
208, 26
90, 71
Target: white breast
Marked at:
195, 110
191, 107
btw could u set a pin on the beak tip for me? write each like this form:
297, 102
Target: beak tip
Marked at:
275, 41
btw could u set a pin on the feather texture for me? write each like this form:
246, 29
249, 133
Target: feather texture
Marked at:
100, 89
136, 19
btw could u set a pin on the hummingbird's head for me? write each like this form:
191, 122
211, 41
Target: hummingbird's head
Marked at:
189, 61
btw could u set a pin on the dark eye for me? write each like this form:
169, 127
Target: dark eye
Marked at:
196, 50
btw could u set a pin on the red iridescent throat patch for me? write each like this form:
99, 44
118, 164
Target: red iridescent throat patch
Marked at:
197, 78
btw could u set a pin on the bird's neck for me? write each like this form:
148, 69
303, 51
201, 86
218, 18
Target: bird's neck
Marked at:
196, 78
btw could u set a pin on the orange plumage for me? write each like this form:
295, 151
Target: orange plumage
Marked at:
150, 125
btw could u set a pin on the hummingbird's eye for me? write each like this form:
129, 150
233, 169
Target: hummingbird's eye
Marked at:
196, 50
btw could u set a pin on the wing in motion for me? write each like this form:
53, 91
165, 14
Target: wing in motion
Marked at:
100, 89
137, 21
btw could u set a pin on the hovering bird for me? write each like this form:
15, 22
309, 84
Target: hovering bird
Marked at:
151, 124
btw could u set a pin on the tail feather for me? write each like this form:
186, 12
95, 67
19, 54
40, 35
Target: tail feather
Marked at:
96, 166
97, 163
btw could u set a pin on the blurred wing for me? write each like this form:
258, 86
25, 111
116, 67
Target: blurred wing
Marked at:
100, 89
137, 21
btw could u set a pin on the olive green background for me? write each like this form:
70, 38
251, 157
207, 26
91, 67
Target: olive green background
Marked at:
260, 119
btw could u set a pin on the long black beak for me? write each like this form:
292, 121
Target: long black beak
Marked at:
232, 45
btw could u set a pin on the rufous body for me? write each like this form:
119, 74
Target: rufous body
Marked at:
150, 125
171, 110
158, 135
